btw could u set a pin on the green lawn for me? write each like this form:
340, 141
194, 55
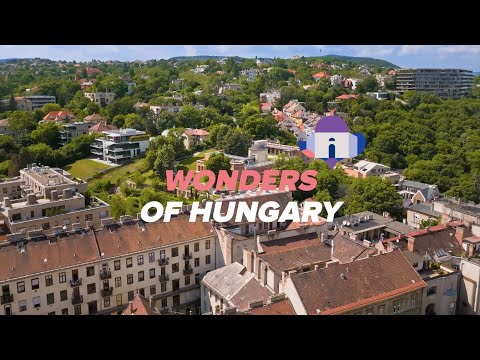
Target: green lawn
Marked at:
190, 163
85, 168
121, 171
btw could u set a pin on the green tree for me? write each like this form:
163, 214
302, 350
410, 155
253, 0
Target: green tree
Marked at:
133, 121
50, 107
21, 122
119, 121
218, 162
427, 223
14, 166
373, 194
164, 161
46, 133
236, 142
368, 84
261, 127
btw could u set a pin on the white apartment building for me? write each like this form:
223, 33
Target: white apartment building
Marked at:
101, 98
47, 199
98, 271
71, 131
120, 146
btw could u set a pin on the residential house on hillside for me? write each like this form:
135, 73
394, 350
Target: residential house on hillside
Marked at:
94, 118
72, 130
59, 116
250, 74
194, 137
100, 98
364, 169
454, 209
321, 75
4, 128
228, 87
417, 192
100, 127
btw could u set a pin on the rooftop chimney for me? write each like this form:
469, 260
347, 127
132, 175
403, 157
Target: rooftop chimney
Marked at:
31, 199
460, 234
6, 200
67, 193
411, 244
130, 303
54, 195
150, 301
471, 250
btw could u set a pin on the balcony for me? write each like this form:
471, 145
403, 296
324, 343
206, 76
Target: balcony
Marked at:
163, 262
187, 270
107, 292
105, 274
6, 298
163, 277
77, 299
187, 256
77, 282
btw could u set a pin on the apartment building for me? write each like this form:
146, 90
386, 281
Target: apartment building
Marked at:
356, 288
120, 146
98, 271
444, 83
101, 98
11, 188
454, 209
71, 131
418, 213
30, 103
48, 199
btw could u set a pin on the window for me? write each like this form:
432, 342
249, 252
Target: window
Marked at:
162, 255
91, 288
106, 302
50, 299
20, 287
90, 271
35, 284
196, 247
151, 257
432, 290
197, 279
370, 311
175, 252
65, 311
51, 313
197, 262
4, 190
36, 302
62, 277
116, 265
129, 262
207, 259
119, 299
396, 307
141, 291
140, 259
381, 309
77, 309
163, 286
129, 279
164, 302
176, 300
175, 284
22, 305
63, 295
118, 281
88, 217
175, 268
153, 290
141, 276
130, 295
187, 280
152, 273
413, 301
48, 280
16, 217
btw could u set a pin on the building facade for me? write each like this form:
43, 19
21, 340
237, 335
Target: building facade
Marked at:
30, 103
120, 146
444, 83
71, 131
47, 199
98, 271
101, 98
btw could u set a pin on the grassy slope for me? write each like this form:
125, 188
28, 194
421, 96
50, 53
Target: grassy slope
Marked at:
85, 168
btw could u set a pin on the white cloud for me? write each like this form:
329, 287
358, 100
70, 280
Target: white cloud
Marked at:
412, 49
374, 50
459, 49
190, 50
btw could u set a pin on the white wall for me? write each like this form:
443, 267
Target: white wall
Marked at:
292, 294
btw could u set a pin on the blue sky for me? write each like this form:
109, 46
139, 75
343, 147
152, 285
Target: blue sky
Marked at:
462, 56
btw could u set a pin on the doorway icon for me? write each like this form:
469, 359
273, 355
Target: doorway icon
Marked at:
331, 149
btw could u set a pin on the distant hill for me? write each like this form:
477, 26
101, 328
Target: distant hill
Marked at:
7, 60
199, 57
360, 60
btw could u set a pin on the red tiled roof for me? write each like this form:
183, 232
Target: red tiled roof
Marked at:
139, 306
251, 291
59, 116
283, 307
346, 97
366, 281
196, 132
321, 75
266, 106
94, 118
101, 126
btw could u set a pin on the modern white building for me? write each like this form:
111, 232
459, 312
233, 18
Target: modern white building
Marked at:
120, 146
101, 98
